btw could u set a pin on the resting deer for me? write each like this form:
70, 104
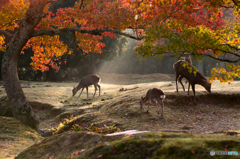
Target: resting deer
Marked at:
87, 81
156, 94
193, 79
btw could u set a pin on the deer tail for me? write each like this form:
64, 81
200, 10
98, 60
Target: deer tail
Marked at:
163, 96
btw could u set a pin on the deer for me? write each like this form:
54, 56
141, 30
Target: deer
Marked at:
187, 57
156, 94
85, 82
198, 78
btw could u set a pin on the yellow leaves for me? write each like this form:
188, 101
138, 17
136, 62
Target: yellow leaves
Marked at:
12, 11
224, 75
45, 10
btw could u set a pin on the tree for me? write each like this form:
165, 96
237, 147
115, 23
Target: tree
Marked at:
182, 25
196, 27
29, 24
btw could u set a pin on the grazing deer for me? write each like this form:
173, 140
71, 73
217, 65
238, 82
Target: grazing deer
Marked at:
87, 81
182, 72
156, 94
187, 57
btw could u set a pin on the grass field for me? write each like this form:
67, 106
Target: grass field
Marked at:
215, 112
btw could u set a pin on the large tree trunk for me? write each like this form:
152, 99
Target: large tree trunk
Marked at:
21, 109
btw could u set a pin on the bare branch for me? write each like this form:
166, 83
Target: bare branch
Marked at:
93, 32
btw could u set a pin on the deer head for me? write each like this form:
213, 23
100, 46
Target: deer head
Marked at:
208, 86
74, 91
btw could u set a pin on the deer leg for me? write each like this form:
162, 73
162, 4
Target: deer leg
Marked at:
157, 101
149, 101
99, 89
160, 102
81, 92
193, 88
87, 92
176, 78
180, 80
95, 90
162, 107
188, 87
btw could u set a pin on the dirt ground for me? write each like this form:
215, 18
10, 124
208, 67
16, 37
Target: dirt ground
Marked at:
118, 104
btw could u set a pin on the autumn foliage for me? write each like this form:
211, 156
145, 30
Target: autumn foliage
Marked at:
166, 26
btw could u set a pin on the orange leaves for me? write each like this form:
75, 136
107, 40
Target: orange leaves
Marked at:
236, 41
2, 44
224, 75
46, 50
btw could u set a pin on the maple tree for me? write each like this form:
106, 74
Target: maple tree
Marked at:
166, 26
194, 27
29, 24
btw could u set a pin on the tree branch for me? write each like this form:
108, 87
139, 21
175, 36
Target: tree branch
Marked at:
224, 60
93, 32
236, 2
5, 33
81, 5
172, 13
233, 47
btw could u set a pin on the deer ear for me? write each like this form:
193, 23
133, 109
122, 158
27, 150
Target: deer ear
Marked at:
73, 87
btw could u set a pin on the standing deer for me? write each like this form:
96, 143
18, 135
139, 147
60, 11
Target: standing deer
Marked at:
193, 79
87, 81
156, 94
187, 57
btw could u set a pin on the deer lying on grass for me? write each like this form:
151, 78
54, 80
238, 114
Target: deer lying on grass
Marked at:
87, 81
193, 79
156, 94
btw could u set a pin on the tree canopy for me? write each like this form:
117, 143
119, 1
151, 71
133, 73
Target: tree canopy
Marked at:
163, 26
176, 26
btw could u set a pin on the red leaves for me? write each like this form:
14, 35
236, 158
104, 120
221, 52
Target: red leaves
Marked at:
114, 151
220, 15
